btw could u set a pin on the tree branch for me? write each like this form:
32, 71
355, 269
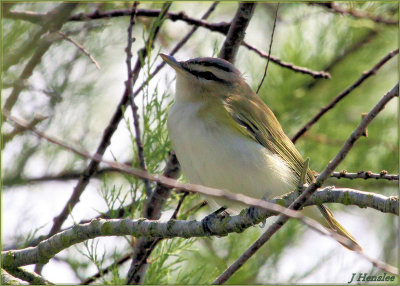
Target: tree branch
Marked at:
303, 70
180, 228
81, 48
129, 85
221, 27
8, 279
302, 199
237, 31
343, 94
383, 175
30, 277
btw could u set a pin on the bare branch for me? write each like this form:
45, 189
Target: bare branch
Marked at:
343, 94
80, 47
221, 27
9, 136
314, 74
237, 31
129, 86
107, 269
299, 202
383, 175
156, 229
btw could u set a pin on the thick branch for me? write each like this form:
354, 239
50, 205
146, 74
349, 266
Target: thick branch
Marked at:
237, 31
177, 228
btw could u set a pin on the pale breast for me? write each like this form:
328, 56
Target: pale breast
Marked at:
213, 155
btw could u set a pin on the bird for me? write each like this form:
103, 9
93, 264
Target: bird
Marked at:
226, 137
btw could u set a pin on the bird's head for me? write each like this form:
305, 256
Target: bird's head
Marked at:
202, 77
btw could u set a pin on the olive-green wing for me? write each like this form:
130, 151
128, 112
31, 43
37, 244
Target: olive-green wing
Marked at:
260, 122
262, 126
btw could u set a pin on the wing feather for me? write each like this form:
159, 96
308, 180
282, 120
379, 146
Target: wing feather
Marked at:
261, 124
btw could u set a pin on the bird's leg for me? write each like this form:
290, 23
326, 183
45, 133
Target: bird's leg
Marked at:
205, 221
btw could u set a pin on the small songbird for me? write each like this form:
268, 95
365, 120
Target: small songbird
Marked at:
226, 137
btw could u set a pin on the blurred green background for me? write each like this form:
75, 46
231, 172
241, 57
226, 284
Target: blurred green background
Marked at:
78, 101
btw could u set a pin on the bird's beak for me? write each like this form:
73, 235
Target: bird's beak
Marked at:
171, 61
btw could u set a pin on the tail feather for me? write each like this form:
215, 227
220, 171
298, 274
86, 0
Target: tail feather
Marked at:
335, 225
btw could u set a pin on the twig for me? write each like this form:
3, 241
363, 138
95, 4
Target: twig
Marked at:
129, 86
299, 202
80, 47
343, 94
179, 205
237, 31
383, 175
358, 14
270, 48
107, 269
9, 136
303, 70
153, 207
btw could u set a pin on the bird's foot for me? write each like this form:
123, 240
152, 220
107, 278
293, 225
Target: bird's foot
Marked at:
205, 222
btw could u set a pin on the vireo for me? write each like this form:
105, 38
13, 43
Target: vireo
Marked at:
226, 137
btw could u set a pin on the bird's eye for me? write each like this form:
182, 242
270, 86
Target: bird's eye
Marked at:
208, 75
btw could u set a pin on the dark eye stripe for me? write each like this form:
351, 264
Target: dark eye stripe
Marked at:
207, 75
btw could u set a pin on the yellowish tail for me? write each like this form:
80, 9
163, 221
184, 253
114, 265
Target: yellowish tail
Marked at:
335, 225
325, 217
